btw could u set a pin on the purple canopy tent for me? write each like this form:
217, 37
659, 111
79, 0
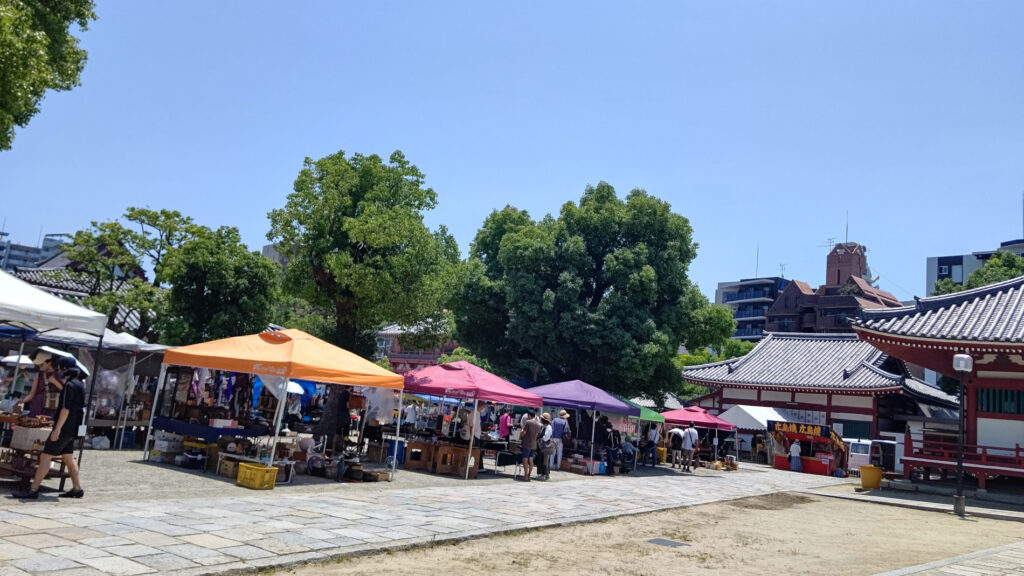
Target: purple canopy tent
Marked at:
582, 396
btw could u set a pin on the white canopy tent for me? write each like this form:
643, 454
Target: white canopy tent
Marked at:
25, 306
748, 421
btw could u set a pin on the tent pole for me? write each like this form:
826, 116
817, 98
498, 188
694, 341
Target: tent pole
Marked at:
398, 434
593, 424
474, 424
156, 402
17, 365
89, 398
278, 414
638, 442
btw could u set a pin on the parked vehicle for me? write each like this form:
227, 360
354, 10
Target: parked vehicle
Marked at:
881, 453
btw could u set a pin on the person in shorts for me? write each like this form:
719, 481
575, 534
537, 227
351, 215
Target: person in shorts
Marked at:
528, 443
61, 443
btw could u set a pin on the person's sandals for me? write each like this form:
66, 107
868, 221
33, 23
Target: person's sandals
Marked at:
72, 494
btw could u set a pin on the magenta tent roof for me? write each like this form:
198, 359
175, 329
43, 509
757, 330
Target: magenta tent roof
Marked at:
698, 416
464, 380
579, 394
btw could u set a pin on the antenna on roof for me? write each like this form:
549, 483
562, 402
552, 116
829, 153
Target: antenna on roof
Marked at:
757, 258
829, 243
782, 270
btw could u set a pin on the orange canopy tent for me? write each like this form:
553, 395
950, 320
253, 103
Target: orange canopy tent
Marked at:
285, 354
288, 354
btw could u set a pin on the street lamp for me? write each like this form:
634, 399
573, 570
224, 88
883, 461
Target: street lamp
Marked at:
962, 364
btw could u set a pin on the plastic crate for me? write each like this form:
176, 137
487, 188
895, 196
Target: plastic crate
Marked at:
256, 476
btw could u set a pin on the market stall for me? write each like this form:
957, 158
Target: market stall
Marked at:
26, 310
822, 451
702, 420
464, 381
206, 392
752, 427
578, 395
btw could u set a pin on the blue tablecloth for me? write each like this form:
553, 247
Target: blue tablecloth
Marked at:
208, 433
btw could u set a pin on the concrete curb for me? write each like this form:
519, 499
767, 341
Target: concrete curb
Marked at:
924, 506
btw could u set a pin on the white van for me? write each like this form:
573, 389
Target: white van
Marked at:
880, 453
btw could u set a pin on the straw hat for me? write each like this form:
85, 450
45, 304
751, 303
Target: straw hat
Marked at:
545, 417
564, 414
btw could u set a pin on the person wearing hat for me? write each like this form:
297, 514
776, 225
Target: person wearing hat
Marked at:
61, 443
545, 447
559, 431
42, 398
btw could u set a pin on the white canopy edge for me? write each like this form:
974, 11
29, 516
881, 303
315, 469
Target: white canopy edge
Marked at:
24, 305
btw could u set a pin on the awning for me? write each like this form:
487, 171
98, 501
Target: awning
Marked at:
700, 418
25, 306
646, 414
751, 417
464, 380
288, 354
580, 395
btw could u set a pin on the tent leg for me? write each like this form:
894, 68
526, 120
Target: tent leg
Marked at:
122, 416
278, 415
593, 425
156, 403
473, 426
89, 398
638, 441
398, 435
17, 365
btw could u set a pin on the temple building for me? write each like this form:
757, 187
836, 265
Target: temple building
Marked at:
828, 379
988, 324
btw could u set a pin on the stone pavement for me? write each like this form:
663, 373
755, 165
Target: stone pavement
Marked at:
1002, 561
210, 535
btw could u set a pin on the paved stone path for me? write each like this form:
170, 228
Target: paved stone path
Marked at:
209, 535
1003, 561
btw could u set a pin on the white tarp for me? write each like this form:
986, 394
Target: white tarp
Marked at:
111, 341
24, 305
751, 417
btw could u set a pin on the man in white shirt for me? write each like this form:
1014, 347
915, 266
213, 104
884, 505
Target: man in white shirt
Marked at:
409, 415
691, 441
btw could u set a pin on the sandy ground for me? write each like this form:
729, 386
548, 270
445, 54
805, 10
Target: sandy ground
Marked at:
777, 534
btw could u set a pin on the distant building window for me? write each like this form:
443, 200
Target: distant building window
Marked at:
958, 274
943, 269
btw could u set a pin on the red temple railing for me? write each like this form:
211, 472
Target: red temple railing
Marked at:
974, 454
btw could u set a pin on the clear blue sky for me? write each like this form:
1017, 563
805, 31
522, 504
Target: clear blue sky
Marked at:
761, 122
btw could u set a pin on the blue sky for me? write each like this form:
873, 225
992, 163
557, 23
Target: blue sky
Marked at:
763, 123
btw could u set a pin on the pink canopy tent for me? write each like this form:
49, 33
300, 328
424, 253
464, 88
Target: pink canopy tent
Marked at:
464, 380
699, 417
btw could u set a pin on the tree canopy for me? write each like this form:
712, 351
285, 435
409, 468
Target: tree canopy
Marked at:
218, 289
37, 53
357, 246
600, 293
999, 267
464, 354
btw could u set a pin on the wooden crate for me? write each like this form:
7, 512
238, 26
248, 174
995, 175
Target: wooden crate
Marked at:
444, 460
459, 462
419, 456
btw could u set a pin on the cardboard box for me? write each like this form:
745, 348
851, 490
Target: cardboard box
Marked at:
566, 465
228, 468
26, 438
590, 466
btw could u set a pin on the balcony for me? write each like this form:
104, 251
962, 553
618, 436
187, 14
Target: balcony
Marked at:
756, 313
748, 333
748, 295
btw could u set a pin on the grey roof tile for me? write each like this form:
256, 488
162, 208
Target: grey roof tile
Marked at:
993, 313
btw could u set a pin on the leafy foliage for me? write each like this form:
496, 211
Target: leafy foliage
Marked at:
949, 385
37, 53
218, 289
999, 267
727, 350
466, 355
601, 293
354, 235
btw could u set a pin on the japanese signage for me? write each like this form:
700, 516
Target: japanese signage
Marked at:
799, 428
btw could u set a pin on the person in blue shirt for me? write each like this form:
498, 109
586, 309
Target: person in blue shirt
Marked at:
559, 430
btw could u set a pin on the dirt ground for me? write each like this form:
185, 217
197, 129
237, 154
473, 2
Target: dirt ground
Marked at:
778, 534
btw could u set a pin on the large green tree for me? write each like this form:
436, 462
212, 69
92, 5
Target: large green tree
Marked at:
218, 289
109, 259
37, 53
353, 233
601, 293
